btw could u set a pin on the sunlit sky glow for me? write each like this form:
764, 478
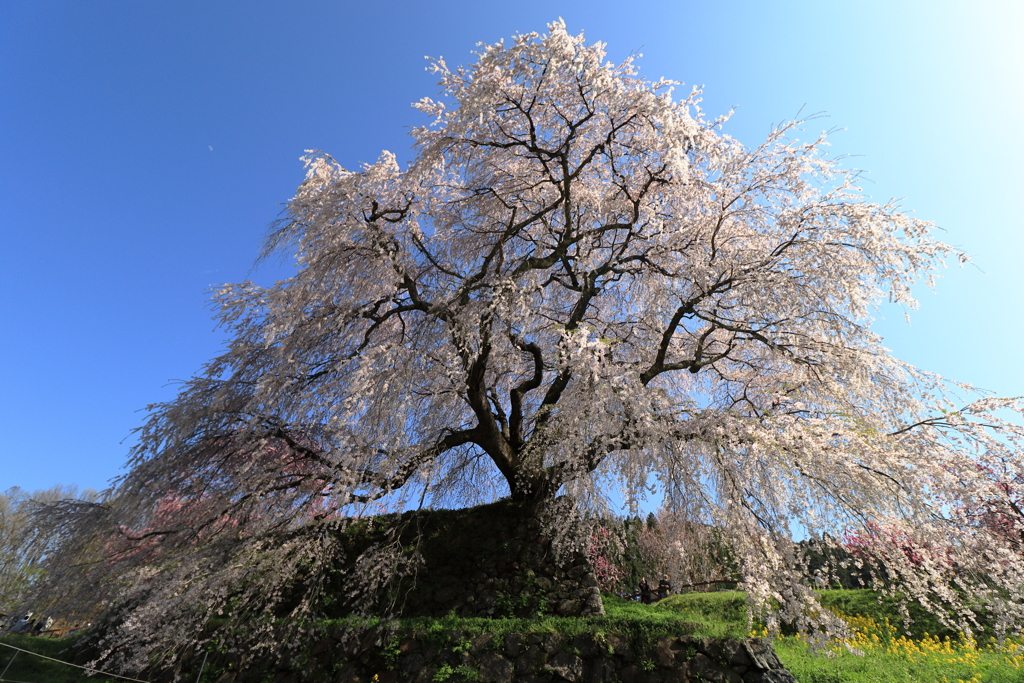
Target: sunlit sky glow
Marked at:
146, 147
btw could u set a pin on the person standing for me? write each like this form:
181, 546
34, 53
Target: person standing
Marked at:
43, 625
664, 587
645, 591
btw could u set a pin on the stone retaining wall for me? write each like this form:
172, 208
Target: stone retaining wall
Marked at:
532, 658
503, 559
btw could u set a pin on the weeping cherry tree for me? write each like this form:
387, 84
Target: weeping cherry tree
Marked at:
579, 285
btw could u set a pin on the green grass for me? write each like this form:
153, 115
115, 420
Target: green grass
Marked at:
890, 651
639, 622
717, 615
26, 668
959, 666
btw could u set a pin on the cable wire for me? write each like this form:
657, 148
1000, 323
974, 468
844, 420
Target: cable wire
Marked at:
86, 668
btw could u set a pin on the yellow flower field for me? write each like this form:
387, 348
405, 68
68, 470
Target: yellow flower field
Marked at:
878, 652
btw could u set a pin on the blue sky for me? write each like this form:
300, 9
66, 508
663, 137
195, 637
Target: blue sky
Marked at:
145, 148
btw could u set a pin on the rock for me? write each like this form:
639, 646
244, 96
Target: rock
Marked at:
700, 664
569, 608
586, 645
553, 643
771, 676
480, 643
348, 672
586, 658
412, 663
529, 660
712, 648
666, 657
619, 646
593, 605
761, 654
602, 671
445, 595
424, 675
495, 669
566, 665
632, 674
706, 670
513, 644
680, 673
734, 653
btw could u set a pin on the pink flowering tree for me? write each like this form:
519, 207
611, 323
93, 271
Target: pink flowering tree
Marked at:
1001, 511
579, 284
602, 553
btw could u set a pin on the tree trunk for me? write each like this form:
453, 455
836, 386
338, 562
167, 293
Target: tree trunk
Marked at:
535, 489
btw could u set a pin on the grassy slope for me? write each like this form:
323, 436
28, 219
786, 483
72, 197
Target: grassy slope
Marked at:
621, 616
922, 651
887, 649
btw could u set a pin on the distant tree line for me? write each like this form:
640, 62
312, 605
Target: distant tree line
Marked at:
692, 554
695, 556
25, 546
